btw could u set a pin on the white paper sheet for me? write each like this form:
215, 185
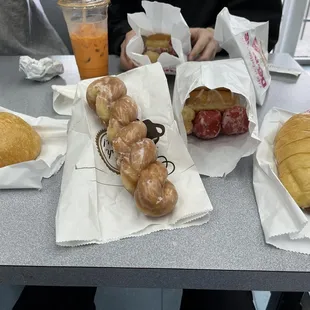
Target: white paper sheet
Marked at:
159, 18
93, 206
248, 40
54, 145
217, 157
285, 225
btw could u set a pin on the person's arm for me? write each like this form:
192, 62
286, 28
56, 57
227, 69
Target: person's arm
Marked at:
259, 11
117, 22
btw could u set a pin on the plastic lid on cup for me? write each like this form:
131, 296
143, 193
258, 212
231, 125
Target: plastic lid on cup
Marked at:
82, 3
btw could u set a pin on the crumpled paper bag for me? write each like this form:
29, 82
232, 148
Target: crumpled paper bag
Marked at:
40, 70
284, 224
63, 96
53, 133
159, 18
217, 157
94, 207
248, 40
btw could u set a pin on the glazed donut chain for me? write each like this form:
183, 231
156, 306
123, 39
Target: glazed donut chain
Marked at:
141, 173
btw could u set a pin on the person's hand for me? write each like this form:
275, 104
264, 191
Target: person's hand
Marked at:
205, 46
126, 63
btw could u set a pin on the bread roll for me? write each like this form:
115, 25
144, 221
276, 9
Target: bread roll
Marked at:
202, 99
292, 153
19, 141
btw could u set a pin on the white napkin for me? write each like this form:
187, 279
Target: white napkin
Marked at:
94, 207
63, 96
217, 157
285, 225
159, 18
29, 174
40, 70
248, 40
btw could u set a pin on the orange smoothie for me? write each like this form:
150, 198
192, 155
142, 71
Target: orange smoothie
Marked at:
90, 47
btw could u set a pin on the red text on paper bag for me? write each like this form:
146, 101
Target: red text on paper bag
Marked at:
256, 56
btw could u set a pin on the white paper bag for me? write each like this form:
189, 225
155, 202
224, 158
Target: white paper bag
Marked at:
248, 40
217, 157
94, 207
29, 174
285, 225
159, 18
63, 96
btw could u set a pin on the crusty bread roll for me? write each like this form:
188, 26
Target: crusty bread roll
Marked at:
135, 155
203, 99
19, 141
292, 153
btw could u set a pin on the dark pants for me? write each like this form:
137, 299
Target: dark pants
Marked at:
56, 298
217, 300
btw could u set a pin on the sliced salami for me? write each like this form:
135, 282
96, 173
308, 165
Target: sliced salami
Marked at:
207, 124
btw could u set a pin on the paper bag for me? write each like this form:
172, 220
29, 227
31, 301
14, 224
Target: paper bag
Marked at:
63, 96
248, 40
29, 174
284, 224
159, 18
219, 156
94, 207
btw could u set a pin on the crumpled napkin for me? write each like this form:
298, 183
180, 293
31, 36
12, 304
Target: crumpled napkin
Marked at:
40, 70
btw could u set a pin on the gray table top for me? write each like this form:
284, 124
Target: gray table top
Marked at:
227, 253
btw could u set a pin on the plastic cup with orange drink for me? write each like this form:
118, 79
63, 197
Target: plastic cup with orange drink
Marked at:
87, 25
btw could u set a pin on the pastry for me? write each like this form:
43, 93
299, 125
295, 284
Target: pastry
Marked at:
102, 93
19, 141
141, 175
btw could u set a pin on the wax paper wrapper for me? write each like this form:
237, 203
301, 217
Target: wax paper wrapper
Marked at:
29, 174
248, 40
219, 156
159, 18
284, 224
40, 70
94, 207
